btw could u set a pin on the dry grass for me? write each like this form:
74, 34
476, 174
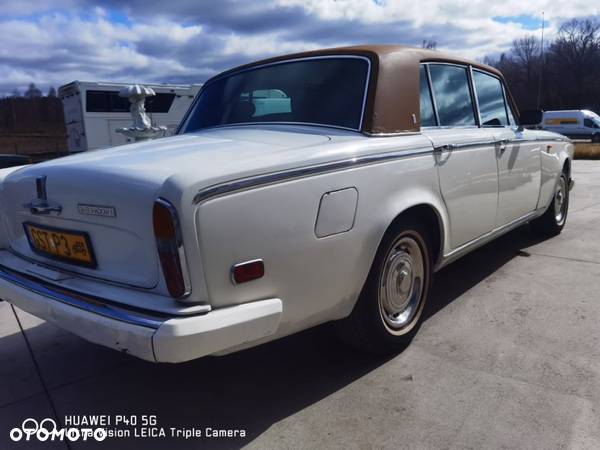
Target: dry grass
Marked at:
587, 150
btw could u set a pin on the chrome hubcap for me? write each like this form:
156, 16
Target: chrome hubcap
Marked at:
560, 200
401, 283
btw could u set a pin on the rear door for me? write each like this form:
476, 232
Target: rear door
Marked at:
517, 152
466, 158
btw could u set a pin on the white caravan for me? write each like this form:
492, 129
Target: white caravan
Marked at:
93, 111
576, 124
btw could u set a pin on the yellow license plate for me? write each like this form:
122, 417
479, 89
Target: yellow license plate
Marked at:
64, 245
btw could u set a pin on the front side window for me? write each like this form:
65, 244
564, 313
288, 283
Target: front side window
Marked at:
452, 95
325, 91
590, 123
427, 113
490, 99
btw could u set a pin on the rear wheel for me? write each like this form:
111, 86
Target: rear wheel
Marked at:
389, 310
555, 217
596, 138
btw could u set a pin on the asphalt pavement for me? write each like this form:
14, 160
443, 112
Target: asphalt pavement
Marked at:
508, 357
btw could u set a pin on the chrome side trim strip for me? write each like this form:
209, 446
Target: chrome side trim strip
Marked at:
484, 239
391, 134
87, 303
465, 146
301, 172
468, 145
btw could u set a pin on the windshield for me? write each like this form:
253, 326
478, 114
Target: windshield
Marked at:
325, 91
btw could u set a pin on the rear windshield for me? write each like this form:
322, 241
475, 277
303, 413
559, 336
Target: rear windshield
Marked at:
323, 91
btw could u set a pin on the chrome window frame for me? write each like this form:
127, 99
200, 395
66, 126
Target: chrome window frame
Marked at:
472, 89
433, 104
185, 120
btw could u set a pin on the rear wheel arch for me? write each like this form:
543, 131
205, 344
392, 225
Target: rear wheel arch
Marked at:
431, 218
376, 323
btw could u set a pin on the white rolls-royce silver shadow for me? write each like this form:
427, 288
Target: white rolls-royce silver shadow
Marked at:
323, 186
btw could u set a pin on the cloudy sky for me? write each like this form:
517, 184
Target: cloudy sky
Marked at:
55, 42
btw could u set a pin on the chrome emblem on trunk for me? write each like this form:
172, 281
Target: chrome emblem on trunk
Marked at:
96, 210
41, 205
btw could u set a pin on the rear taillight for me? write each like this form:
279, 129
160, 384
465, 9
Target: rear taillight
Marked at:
170, 248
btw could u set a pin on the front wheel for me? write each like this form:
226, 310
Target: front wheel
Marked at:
555, 217
389, 310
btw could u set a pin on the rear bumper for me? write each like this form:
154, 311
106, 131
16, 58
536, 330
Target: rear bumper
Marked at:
156, 338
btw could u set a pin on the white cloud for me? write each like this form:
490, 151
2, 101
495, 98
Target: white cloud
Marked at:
152, 40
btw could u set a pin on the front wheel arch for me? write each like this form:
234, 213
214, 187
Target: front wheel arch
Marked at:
567, 168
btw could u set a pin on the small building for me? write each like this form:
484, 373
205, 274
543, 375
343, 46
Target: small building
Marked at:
94, 110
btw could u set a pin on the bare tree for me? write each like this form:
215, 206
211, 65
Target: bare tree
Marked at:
575, 62
429, 44
570, 68
526, 52
51, 92
32, 91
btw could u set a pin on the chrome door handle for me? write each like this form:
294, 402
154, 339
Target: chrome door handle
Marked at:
445, 148
502, 145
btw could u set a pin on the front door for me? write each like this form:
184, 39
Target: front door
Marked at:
518, 154
519, 174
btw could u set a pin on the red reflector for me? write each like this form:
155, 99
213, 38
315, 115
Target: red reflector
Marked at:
248, 271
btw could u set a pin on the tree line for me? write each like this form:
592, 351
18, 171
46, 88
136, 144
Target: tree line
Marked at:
32, 91
564, 74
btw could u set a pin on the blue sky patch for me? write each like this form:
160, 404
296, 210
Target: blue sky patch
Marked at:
526, 21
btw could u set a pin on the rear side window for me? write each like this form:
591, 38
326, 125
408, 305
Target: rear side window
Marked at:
427, 113
490, 99
452, 95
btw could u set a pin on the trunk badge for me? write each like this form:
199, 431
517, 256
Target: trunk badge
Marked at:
97, 210
41, 205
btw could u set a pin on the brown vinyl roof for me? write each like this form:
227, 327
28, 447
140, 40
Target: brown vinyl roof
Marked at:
393, 96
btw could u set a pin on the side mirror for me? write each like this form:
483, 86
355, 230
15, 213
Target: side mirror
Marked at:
530, 118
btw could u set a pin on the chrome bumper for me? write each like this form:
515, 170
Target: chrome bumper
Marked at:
88, 303
153, 337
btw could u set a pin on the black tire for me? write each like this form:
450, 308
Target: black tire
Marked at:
553, 220
596, 138
369, 327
